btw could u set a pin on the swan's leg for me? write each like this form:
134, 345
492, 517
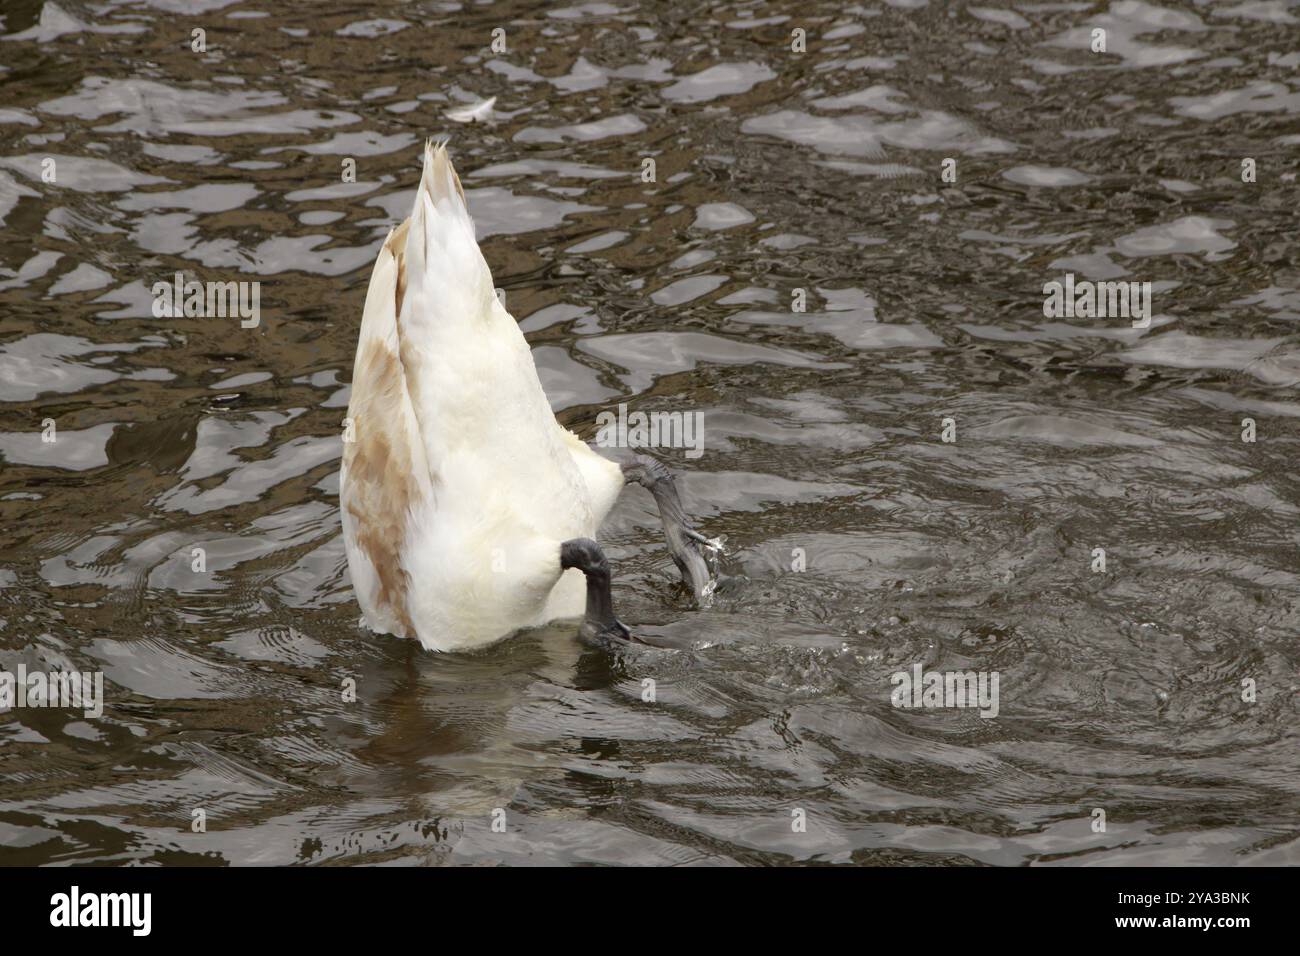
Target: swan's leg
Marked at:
599, 620
683, 540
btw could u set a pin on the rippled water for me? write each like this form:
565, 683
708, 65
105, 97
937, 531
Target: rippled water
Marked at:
775, 171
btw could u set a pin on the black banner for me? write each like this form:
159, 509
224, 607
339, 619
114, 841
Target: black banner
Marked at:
333, 904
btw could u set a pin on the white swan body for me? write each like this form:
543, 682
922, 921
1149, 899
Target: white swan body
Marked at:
458, 485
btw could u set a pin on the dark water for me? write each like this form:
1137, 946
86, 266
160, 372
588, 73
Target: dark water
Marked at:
1120, 690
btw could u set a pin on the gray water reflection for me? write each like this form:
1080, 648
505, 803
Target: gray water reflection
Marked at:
780, 177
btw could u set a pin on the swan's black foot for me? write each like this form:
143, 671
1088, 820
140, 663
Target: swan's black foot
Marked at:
599, 621
684, 542
609, 632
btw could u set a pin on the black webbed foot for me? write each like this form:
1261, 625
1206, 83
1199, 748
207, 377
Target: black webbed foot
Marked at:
685, 544
599, 621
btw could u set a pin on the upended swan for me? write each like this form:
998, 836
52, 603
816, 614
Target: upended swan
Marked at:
468, 512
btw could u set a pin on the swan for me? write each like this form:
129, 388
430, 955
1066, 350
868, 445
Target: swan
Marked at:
468, 511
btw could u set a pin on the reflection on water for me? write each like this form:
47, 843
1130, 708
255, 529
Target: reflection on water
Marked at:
799, 272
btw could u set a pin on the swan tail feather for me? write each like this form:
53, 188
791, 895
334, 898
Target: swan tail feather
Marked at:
448, 283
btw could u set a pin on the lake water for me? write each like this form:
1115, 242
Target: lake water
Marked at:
1156, 696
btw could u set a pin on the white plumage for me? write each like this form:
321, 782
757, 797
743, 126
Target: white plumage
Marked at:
458, 485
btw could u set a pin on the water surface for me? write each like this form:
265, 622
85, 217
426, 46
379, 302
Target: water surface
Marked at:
775, 172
